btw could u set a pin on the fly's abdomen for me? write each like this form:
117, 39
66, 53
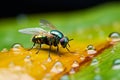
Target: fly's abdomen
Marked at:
39, 39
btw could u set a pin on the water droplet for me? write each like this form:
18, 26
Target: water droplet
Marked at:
97, 70
27, 59
58, 67
97, 77
82, 57
47, 77
72, 71
16, 48
75, 64
116, 64
91, 49
16, 45
94, 61
4, 50
114, 36
49, 59
112, 51
65, 77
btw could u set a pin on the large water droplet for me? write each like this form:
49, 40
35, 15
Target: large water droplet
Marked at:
114, 36
16, 48
116, 64
16, 45
75, 64
58, 67
91, 49
65, 77
94, 61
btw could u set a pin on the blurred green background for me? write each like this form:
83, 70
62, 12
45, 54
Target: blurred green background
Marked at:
105, 15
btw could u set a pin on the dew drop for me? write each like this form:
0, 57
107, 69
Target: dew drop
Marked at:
65, 77
91, 49
58, 67
97, 77
47, 77
27, 59
75, 64
82, 57
49, 59
114, 36
116, 64
4, 50
72, 71
97, 70
94, 62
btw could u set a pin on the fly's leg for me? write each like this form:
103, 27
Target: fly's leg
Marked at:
58, 51
50, 43
68, 50
38, 49
49, 51
31, 47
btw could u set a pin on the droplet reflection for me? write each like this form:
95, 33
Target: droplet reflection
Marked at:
75, 64
114, 36
49, 59
4, 50
16, 45
94, 62
91, 49
65, 77
116, 64
72, 71
97, 77
57, 67
16, 48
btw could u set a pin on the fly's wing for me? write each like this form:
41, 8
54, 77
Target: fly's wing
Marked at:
47, 24
35, 31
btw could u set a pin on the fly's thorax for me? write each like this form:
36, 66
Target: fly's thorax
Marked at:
57, 33
64, 41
